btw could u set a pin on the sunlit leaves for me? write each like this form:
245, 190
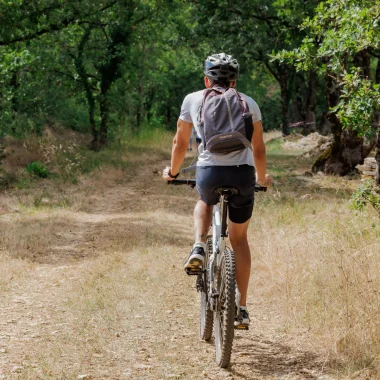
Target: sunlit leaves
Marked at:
359, 98
338, 31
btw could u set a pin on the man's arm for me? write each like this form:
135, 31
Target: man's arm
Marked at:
180, 144
259, 154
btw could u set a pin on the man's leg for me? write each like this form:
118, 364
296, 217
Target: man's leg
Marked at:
239, 241
202, 221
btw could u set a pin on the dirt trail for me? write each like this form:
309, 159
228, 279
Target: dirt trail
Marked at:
108, 299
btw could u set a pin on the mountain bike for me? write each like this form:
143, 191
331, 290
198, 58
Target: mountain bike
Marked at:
220, 301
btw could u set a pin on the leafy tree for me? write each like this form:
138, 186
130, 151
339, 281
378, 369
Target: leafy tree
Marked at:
111, 58
252, 30
342, 38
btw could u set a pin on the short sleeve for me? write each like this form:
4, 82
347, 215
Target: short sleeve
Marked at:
185, 110
254, 109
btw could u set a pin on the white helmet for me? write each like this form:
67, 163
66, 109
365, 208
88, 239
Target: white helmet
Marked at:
221, 67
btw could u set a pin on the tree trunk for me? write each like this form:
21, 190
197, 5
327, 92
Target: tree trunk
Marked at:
347, 149
311, 101
377, 155
336, 128
81, 71
104, 112
149, 102
283, 80
297, 110
14, 84
377, 120
140, 112
14, 101
109, 71
362, 60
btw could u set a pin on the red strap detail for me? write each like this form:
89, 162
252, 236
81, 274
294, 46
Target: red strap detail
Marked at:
243, 103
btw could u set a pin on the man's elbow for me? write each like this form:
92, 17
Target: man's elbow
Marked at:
179, 144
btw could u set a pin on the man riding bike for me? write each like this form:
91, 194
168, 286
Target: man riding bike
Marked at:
235, 169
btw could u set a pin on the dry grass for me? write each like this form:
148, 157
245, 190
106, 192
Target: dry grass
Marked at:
319, 262
108, 297
268, 136
11, 270
27, 237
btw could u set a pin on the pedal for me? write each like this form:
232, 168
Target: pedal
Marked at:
194, 271
242, 327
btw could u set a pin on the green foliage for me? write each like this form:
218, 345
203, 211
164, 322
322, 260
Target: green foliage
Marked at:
359, 98
37, 169
275, 145
251, 30
339, 30
366, 194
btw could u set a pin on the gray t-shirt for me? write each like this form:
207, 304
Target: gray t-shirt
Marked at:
190, 113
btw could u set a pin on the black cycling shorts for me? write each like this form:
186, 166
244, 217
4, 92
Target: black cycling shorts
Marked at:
242, 177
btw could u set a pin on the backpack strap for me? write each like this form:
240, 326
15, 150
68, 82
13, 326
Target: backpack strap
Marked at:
243, 103
200, 118
206, 93
247, 116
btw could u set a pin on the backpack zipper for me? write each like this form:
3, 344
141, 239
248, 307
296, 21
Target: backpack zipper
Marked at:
229, 111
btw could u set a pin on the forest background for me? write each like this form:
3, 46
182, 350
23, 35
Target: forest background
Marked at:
113, 68
99, 84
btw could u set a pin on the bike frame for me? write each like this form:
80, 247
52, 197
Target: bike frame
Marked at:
219, 234
210, 281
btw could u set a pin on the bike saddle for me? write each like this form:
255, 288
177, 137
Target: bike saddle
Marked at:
226, 190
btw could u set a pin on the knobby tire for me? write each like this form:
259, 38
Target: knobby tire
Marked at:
225, 312
206, 317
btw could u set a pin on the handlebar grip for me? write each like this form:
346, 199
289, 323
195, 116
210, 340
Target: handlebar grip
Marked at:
260, 188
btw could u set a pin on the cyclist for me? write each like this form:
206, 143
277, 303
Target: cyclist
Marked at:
228, 169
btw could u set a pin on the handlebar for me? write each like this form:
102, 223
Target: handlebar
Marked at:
189, 182
192, 183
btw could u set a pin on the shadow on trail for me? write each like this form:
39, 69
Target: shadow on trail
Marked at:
300, 185
76, 237
272, 359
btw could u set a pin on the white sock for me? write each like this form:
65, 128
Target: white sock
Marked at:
201, 245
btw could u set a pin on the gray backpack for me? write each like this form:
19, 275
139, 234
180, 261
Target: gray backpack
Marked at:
225, 123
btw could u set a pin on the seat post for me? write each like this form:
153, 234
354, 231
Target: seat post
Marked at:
224, 193
224, 201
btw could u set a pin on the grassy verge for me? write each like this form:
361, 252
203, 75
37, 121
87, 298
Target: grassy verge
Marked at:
319, 260
65, 157
316, 262
57, 163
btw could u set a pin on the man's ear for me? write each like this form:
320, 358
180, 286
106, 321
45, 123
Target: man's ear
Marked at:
233, 84
207, 82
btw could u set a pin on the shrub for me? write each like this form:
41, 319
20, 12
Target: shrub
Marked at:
38, 169
366, 193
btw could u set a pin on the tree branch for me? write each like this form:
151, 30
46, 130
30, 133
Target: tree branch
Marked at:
263, 59
267, 19
53, 27
270, 69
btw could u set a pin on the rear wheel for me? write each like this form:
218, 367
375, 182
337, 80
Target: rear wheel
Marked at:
206, 313
225, 309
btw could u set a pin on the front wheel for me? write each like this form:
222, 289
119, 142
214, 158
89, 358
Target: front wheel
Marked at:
206, 313
225, 309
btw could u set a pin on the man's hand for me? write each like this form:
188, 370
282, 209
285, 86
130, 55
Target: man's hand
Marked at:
166, 176
266, 183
